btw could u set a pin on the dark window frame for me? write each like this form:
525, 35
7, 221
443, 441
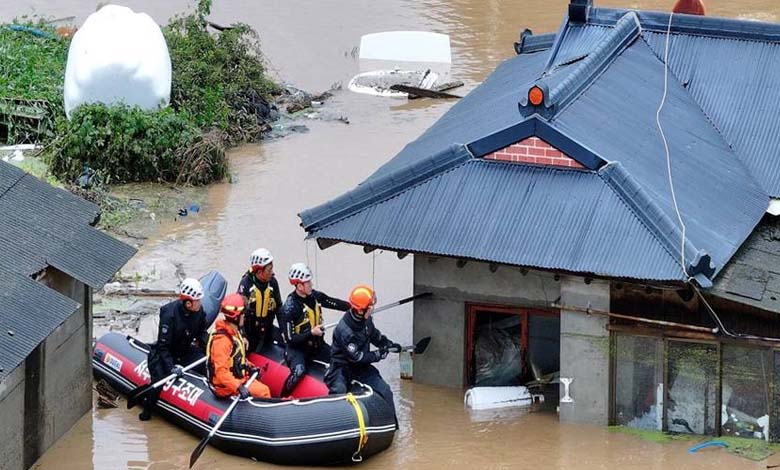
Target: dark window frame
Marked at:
471, 318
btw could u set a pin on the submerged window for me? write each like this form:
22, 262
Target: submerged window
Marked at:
639, 381
692, 395
745, 392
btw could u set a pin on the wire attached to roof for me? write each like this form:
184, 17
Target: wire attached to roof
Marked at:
710, 310
666, 144
722, 327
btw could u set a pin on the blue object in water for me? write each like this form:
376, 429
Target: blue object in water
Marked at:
194, 208
707, 444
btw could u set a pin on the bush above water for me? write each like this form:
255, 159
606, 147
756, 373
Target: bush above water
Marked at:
32, 68
219, 97
219, 80
126, 144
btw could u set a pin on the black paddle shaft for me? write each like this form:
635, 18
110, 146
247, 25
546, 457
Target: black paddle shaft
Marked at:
388, 306
202, 445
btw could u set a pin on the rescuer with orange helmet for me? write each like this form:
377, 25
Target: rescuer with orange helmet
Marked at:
351, 357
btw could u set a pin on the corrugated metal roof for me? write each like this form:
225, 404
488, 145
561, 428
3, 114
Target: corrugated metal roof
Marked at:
29, 311
603, 84
510, 213
625, 98
740, 99
490, 106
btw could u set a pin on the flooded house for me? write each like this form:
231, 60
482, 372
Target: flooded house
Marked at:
602, 206
51, 261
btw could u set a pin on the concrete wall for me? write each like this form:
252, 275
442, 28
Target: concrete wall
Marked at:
585, 351
12, 419
41, 399
443, 316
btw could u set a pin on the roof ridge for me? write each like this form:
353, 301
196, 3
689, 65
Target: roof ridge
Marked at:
530, 43
657, 222
372, 191
624, 33
711, 26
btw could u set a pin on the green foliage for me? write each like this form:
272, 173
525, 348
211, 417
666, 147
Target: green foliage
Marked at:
219, 96
32, 68
126, 144
218, 80
752, 449
652, 436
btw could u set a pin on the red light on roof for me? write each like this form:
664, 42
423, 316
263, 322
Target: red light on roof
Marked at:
536, 96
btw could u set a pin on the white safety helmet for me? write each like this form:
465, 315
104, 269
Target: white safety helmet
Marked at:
299, 273
260, 258
190, 289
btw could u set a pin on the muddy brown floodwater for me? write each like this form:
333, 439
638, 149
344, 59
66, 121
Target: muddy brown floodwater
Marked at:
310, 43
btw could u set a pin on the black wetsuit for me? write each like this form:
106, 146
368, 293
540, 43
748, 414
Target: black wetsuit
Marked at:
299, 315
259, 315
181, 340
351, 356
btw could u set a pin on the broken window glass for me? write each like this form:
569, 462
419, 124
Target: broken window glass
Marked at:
544, 343
745, 392
498, 357
693, 379
638, 381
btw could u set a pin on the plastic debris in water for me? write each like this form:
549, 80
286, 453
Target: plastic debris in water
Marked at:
707, 444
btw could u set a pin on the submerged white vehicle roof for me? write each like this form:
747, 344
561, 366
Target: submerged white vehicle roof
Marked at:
406, 46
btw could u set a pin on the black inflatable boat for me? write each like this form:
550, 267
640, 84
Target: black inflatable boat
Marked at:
326, 430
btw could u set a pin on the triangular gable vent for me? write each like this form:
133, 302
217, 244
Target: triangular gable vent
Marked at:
534, 150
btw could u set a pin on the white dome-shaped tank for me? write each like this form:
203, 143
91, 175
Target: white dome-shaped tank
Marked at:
118, 56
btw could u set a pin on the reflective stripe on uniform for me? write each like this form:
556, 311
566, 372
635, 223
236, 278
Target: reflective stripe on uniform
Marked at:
313, 317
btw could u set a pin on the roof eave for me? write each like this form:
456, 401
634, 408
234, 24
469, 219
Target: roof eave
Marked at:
657, 21
326, 243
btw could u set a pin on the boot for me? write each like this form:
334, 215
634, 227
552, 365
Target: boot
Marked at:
145, 415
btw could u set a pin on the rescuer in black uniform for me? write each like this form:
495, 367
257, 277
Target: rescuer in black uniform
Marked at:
302, 330
181, 340
351, 357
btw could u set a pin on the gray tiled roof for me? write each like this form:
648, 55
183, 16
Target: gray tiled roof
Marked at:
43, 226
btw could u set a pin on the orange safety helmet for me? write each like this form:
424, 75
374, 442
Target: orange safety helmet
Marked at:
232, 306
362, 297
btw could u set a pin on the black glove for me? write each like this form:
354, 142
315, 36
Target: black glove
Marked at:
178, 370
243, 392
395, 347
253, 369
383, 353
